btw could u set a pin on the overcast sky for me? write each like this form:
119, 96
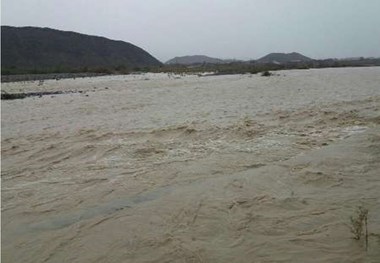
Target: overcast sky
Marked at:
241, 29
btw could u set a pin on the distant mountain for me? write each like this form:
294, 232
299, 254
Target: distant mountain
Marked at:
197, 59
45, 48
281, 58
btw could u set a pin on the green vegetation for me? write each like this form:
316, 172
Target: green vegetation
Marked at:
33, 50
58, 69
214, 69
219, 69
266, 74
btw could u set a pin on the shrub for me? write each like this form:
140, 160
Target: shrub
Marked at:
266, 74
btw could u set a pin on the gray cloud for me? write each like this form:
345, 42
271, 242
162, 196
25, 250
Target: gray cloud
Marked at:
240, 29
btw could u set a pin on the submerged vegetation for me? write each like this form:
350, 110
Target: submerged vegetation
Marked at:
266, 74
359, 224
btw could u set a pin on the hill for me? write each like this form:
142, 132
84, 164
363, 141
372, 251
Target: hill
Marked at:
26, 48
282, 58
197, 59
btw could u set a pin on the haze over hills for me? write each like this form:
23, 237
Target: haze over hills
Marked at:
276, 58
281, 58
44, 48
196, 59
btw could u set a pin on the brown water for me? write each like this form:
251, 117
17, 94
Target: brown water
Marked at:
158, 168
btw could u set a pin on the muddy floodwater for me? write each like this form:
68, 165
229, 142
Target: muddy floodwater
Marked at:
170, 168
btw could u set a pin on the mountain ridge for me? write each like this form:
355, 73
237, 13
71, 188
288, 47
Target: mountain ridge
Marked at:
43, 48
194, 59
275, 58
280, 58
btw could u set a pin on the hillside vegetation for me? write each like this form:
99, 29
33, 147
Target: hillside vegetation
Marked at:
41, 50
